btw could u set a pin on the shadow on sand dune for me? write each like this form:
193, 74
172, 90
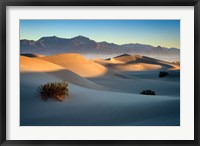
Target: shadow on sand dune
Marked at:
88, 107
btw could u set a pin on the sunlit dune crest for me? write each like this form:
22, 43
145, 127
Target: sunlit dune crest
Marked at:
126, 57
78, 64
106, 62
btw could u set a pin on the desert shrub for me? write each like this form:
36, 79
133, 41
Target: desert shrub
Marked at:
163, 74
148, 92
53, 90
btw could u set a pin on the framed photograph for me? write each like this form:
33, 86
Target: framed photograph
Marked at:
99, 72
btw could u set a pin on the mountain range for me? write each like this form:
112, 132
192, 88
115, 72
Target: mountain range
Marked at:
85, 46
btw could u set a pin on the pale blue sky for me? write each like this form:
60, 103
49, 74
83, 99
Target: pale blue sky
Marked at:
164, 33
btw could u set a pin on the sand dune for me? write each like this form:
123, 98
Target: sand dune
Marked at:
28, 64
136, 67
106, 62
126, 58
82, 66
40, 67
165, 65
128, 62
78, 64
109, 96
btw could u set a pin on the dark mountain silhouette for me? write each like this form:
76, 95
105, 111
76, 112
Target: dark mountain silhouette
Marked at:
83, 45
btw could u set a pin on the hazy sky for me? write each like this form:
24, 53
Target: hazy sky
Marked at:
164, 33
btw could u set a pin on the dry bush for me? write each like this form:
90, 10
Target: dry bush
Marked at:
163, 74
148, 92
53, 90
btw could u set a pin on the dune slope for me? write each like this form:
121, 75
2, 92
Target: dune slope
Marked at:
127, 62
78, 64
34, 66
87, 107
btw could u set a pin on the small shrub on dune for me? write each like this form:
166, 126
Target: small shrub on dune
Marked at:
53, 90
148, 92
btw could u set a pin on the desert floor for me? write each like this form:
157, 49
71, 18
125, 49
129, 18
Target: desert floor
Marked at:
101, 92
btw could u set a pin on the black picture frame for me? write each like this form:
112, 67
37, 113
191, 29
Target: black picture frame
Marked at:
5, 3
